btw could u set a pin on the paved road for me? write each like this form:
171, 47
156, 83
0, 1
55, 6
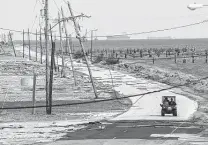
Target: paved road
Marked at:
145, 107
136, 132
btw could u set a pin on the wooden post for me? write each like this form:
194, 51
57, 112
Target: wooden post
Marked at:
73, 49
29, 43
46, 60
10, 35
34, 89
153, 60
51, 78
54, 48
57, 62
36, 46
62, 49
141, 53
41, 48
184, 60
56, 57
68, 45
149, 52
23, 44
113, 83
175, 57
206, 55
192, 58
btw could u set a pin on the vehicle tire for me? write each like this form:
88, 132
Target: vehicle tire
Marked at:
162, 113
175, 113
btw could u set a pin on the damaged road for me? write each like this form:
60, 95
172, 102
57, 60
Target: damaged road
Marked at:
132, 130
127, 132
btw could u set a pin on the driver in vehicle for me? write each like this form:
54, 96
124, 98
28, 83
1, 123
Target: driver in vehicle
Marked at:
172, 102
166, 102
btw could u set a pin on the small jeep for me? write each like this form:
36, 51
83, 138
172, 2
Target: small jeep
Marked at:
167, 107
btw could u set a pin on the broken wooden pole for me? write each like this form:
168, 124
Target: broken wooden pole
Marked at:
83, 49
10, 35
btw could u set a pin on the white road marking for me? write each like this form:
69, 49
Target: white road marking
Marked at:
193, 139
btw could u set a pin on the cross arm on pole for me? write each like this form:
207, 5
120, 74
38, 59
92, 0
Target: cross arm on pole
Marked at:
68, 18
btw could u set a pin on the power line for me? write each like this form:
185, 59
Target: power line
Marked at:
105, 100
34, 22
36, 15
57, 6
138, 33
159, 30
35, 5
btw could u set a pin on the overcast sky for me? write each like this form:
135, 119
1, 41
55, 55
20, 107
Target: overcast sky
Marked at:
113, 16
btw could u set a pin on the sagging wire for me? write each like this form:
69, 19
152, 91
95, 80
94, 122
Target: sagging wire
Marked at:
111, 99
138, 33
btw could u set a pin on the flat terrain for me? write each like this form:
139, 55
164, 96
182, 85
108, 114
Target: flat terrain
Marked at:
129, 81
16, 74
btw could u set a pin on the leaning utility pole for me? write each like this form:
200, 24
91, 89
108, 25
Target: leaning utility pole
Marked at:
46, 48
68, 45
91, 44
61, 45
82, 47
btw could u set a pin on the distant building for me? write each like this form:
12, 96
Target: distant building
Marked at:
119, 37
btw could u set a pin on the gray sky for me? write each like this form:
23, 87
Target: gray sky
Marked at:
113, 16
